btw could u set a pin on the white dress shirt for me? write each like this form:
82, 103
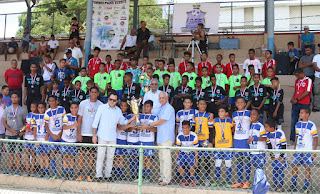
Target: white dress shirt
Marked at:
154, 96
106, 120
76, 53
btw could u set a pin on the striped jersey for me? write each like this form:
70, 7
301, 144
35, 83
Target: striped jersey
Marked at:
146, 135
305, 132
69, 135
190, 140
41, 130
277, 139
183, 115
54, 119
257, 130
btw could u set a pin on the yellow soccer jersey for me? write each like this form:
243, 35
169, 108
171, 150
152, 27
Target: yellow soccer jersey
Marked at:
202, 125
223, 126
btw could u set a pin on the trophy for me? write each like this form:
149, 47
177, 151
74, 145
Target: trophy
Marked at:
134, 103
146, 87
204, 143
142, 77
28, 127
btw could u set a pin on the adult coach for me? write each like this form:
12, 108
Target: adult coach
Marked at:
104, 128
76, 53
153, 95
300, 99
316, 84
142, 39
14, 79
87, 111
165, 136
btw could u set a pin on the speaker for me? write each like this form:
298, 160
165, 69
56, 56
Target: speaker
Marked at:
25, 67
283, 63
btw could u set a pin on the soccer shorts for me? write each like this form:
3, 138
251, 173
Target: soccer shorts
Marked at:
204, 153
266, 106
222, 155
43, 148
119, 92
241, 144
147, 152
186, 159
133, 151
302, 159
66, 149
277, 164
28, 145
121, 151
258, 160
232, 101
14, 147
47, 82
53, 147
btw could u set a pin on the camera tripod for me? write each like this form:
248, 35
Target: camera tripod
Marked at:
192, 44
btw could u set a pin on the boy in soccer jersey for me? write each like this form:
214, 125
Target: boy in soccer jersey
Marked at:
187, 138
116, 76
250, 81
93, 64
109, 67
167, 88
69, 135
241, 119
146, 83
147, 137
102, 80
234, 82
244, 92
269, 87
122, 65
41, 134
204, 130
252, 61
223, 139
198, 92
215, 96
130, 89
65, 97
259, 96
269, 63
229, 66
29, 136
276, 102
191, 75
183, 65
134, 70
53, 124
205, 78
257, 141
276, 139
185, 114
90, 84
83, 79
175, 77
204, 63
161, 71
219, 61
77, 95
306, 139
221, 78
61, 73
55, 91
181, 92
145, 61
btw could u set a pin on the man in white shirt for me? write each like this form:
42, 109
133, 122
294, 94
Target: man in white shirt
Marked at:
316, 83
153, 95
76, 53
252, 61
53, 45
104, 129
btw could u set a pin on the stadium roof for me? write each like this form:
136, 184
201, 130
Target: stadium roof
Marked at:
11, 1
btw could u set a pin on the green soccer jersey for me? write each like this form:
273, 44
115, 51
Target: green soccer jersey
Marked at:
175, 79
161, 73
102, 79
116, 77
234, 80
192, 79
221, 80
83, 81
205, 82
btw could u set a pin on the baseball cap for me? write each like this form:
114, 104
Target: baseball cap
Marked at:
68, 51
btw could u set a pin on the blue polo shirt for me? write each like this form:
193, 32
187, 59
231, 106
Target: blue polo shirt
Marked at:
166, 131
74, 62
307, 39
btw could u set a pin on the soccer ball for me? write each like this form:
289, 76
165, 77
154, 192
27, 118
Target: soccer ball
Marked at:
11, 50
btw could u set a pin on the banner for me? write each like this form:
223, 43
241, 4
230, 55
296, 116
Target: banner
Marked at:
187, 16
109, 23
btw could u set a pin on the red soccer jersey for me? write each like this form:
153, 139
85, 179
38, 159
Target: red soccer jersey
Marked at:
109, 68
224, 69
301, 86
93, 65
15, 78
123, 66
229, 69
268, 64
202, 64
183, 67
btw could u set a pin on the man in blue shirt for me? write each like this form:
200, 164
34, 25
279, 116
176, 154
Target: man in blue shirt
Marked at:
72, 63
293, 55
307, 39
12, 44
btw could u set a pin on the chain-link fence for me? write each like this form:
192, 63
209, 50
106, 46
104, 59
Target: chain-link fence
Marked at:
81, 168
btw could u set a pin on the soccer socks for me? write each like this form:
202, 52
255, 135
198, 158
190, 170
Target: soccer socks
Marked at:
53, 166
240, 171
248, 170
65, 170
134, 166
147, 173
71, 170
294, 181
275, 176
229, 171
281, 176
217, 171
306, 183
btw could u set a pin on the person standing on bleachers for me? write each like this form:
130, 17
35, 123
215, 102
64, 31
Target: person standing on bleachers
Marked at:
307, 39
14, 79
142, 40
76, 53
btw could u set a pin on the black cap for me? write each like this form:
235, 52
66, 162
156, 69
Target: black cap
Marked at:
68, 51
134, 58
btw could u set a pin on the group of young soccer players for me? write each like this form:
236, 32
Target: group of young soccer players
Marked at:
203, 118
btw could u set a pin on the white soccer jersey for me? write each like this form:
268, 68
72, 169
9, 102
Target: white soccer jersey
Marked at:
133, 136
305, 132
255, 62
241, 120
146, 135
277, 139
69, 135
257, 130
41, 130
29, 134
183, 115
54, 119
122, 134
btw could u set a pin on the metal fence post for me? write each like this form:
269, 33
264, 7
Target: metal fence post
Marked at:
5, 27
140, 170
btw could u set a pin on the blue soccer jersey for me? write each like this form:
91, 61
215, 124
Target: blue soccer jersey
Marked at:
190, 140
183, 115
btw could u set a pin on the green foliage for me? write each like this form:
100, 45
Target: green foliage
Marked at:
41, 23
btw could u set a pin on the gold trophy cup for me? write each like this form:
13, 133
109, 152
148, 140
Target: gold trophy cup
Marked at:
28, 127
134, 103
